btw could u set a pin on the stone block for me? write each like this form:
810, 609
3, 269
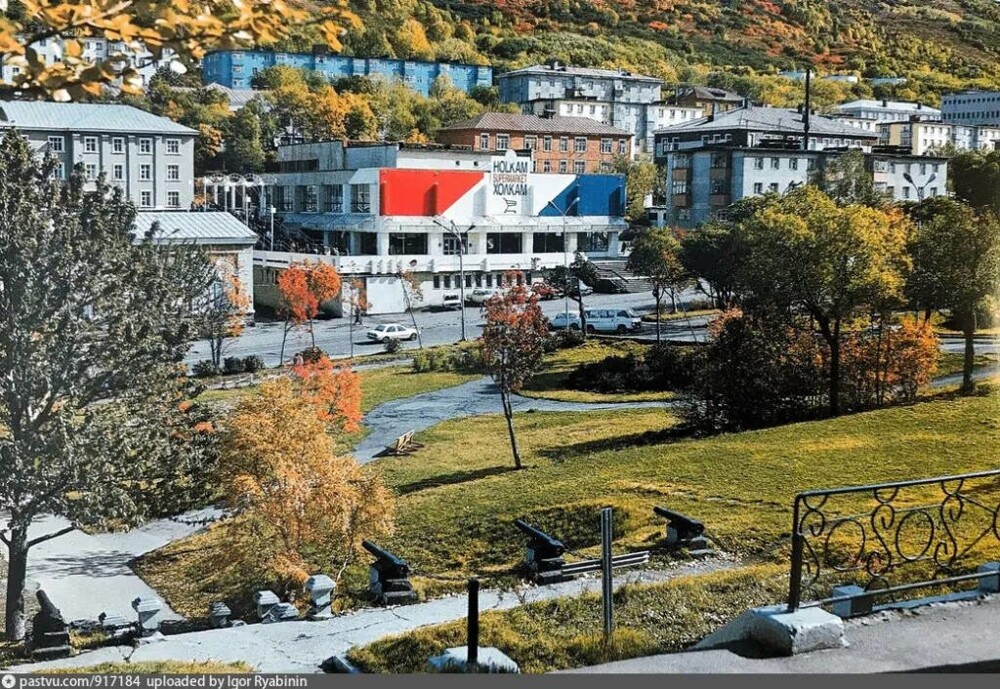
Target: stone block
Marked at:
111, 621
860, 604
282, 612
218, 615
490, 661
148, 609
801, 631
320, 589
339, 665
264, 600
52, 652
990, 584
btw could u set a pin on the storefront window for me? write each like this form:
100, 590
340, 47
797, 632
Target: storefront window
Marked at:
407, 243
503, 243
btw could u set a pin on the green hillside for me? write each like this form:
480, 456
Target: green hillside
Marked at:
939, 46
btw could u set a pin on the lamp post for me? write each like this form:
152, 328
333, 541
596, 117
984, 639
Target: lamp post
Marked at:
920, 190
454, 232
564, 213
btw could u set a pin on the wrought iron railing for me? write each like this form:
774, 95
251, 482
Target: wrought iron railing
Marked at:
893, 537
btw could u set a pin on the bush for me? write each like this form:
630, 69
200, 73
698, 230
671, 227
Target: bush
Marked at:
393, 346
567, 339
253, 363
312, 355
204, 369
663, 367
232, 365
448, 359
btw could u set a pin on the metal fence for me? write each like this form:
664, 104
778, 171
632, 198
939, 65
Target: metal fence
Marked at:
892, 537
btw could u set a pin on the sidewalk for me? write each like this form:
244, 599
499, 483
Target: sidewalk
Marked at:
936, 637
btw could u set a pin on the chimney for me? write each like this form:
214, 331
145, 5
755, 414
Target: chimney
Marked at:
711, 117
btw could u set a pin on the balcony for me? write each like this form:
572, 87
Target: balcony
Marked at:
719, 200
681, 174
680, 200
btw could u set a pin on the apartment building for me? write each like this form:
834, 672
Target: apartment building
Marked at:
51, 50
971, 108
708, 99
563, 145
887, 110
925, 137
383, 209
235, 69
150, 157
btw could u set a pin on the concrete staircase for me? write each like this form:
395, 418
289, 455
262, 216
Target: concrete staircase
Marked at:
615, 278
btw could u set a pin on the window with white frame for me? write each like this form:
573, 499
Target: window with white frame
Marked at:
758, 188
118, 172
606, 146
145, 146
579, 167
60, 170
174, 199
90, 144
484, 141
580, 144
145, 172
563, 166
564, 144
56, 144
173, 173
623, 146
758, 163
503, 142
530, 142
145, 199
90, 170
547, 166
547, 143
173, 146
117, 145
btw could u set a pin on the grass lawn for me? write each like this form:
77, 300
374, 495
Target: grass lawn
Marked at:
953, 362
551, 383
157, 667
459, 494
666, 316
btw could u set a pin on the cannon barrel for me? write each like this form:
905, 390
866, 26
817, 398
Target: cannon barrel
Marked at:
386, 557
539, 535
692, 527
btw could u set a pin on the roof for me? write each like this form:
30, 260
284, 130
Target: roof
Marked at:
769, 120
534, 124
89, 117
710, 93
557, 68
867, 104
208, 227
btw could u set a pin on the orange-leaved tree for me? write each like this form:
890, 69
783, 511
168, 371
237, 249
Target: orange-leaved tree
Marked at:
302, 288
225, 317
334, 391
513, 345
297, 507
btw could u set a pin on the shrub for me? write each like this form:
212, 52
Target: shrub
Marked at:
204, 369
449, 359
663, 367
393, 346
253, 363
232, 365
567, 339
311, 355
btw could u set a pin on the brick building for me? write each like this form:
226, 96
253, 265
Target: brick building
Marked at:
567, 145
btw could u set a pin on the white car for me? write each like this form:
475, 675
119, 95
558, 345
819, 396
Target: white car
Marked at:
480, 295
561, 321
391, 331
451, 302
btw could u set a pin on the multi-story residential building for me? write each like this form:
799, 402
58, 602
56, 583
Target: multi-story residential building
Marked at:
971, 108
615, 97
754, 126
565, 145
151, 158
236, 68
383, 209
924, 137
887, 110
702, 183
708, 99
95, 49
863, 123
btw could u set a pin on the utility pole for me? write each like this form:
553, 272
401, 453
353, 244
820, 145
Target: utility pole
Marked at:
454, 232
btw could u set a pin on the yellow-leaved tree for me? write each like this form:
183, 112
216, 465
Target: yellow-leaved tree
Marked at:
182, 30
299, 508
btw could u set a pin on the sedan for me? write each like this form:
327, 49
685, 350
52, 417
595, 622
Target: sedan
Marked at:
562, 320
391, 331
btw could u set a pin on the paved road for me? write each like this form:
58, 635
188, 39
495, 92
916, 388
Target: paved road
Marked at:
392, 419
441, 327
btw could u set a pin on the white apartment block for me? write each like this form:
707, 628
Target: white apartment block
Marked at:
924, 137
94, 50
971, 108
150, 157
886, 110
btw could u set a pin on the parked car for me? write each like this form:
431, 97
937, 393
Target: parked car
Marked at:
481, 295
612, 320
391, 331
545, 291
561, 320
452, 301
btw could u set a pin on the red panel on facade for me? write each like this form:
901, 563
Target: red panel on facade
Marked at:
423, 192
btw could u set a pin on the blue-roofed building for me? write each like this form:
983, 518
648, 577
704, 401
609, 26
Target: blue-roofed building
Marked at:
236, 68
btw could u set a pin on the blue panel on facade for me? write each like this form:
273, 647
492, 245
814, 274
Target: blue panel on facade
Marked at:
600, 195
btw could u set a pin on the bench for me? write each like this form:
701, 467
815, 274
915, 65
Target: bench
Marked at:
402, 445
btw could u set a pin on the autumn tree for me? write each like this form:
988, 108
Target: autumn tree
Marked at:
713, 254
571, 280
225, 314
412, 292
642, 180
512, 346
332, 390
956, 257
297, 507
182, 31
96, 323
656, 254
303, 287
975, 179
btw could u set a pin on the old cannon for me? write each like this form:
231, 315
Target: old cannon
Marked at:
684, 531
543, 554
49, 631
389, 577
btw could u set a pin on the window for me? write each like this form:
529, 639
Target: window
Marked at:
934, 191
56, 144
360, 198
580, 144
623, 146
546, 242
758, 188
61, 171
145, 172
437, 282
679, 187
773, 187
758, 163
563, 144
793, 163
891, 191
579, 167
447, 282
145, 146
775, 163
563, 166
606, 146
811, 164
530, 142
174, 199
90, 144
451, 246
906, 192
117, 145
547, 143
547, 166
91, 171
503, 142
173, 146
146, 199
334, 199
173, 173
484, 141
409, 243
310, 198
503, 243
489, 279
118, 172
